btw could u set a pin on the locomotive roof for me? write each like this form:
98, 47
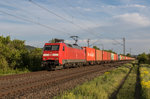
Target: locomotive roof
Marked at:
68, 45
73, 46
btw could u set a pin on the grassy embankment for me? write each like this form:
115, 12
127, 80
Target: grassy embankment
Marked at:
11, 71
99, 88
128, 89
145, 80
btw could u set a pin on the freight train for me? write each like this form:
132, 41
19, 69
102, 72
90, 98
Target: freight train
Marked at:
63, 55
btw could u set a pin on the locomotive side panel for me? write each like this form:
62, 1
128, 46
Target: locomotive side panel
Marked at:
73, 55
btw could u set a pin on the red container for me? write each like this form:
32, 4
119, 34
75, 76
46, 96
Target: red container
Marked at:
109, 56
90, 54
115, 57
99, 55
105, 56
123, 57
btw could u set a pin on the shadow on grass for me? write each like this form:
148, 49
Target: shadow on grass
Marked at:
114, 94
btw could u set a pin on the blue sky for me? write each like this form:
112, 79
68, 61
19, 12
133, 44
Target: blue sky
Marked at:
99, 20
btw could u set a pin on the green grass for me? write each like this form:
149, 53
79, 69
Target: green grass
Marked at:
99, 88
128, 89
11, 71
145, 80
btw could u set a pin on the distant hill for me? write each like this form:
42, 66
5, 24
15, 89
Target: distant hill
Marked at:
29, 47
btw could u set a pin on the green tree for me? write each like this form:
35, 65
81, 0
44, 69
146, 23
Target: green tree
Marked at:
3, 63
13, 55
148, 58
110, 51
142, 58
95, 47
128, 54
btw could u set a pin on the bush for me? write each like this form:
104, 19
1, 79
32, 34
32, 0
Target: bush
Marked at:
143, 58
35, 59
3, 63
14, 55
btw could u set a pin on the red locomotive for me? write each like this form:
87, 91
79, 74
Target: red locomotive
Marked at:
63, 55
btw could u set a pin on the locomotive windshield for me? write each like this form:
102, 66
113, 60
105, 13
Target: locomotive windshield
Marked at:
51, 48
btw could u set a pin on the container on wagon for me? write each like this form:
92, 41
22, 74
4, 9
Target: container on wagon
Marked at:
90, 54
105, 56
119, 57
109, 56
112, 56
115, 57
124, 57
99, 55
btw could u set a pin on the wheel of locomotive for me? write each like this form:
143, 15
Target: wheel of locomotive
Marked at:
47, 68
66, 65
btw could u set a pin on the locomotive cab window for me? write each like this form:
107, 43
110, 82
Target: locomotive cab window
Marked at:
51, 48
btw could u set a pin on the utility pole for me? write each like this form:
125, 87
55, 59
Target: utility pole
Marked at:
122, 44
88, 41
124, 49
130, 50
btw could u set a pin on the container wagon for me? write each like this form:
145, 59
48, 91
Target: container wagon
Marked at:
90, 56
99, 56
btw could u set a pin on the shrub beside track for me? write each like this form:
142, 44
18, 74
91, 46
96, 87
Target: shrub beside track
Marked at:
145, 80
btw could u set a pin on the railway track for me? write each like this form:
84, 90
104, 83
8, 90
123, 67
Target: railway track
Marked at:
21, 85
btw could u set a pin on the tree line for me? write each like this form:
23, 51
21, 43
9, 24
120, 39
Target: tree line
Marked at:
144, 58
14, 55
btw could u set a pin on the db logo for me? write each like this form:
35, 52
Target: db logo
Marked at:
91, 54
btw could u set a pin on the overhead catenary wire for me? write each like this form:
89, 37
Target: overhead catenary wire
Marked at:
25, 19
43, 25
94, 42
78, 11
116, 42
83, 16
50, 11
61, 17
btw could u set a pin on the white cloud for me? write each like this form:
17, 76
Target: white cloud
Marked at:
132, 6
124, 6
134, 18
138, 6
82, 9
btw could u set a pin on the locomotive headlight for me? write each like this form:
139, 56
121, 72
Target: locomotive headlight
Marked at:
45, 54
54, 54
